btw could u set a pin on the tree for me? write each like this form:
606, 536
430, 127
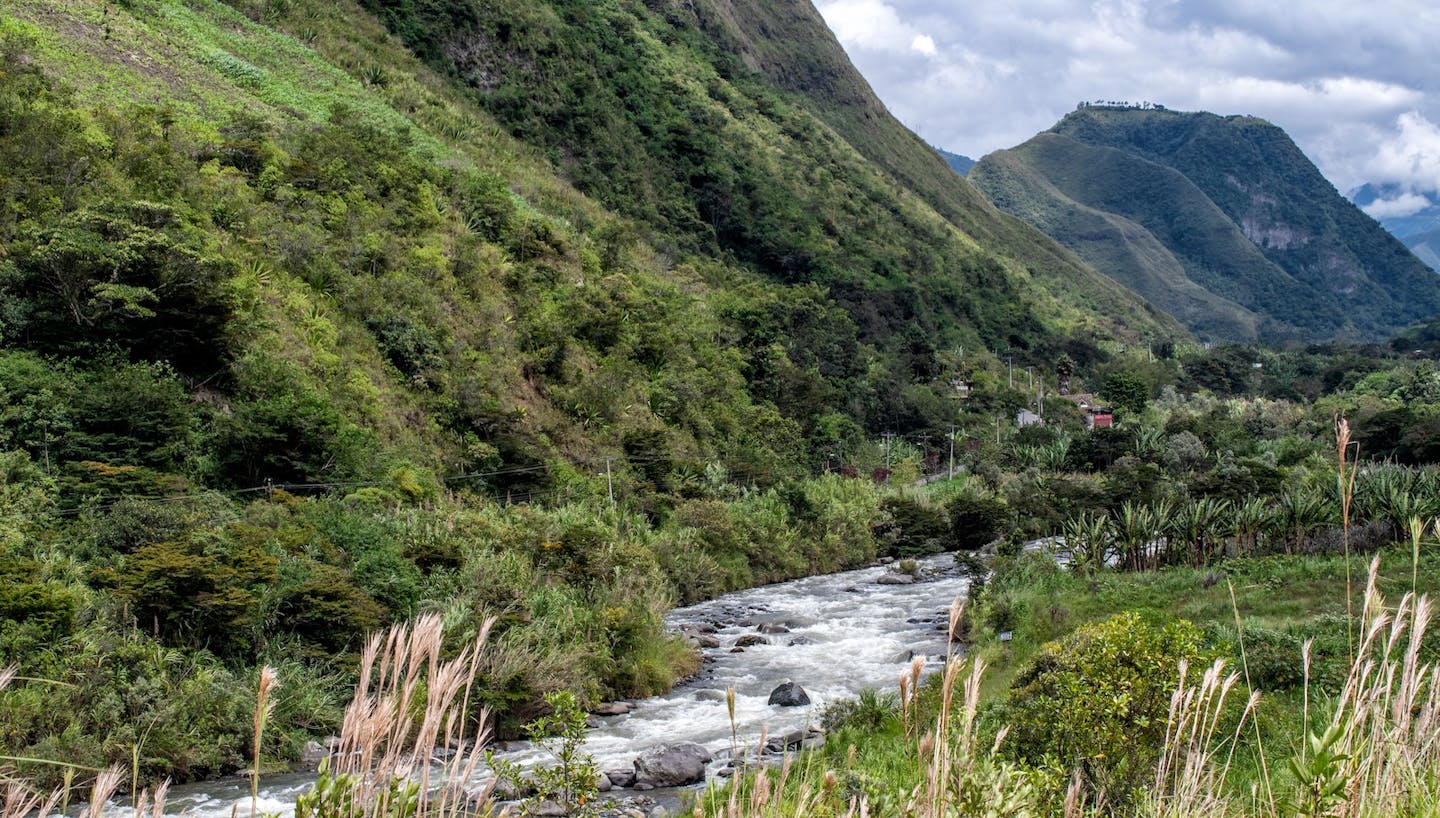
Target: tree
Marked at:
1064, 371
1126, 391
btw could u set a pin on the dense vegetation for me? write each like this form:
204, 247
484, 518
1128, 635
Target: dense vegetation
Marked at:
300, 337
1202, 528
1222, 221
794, 170
312, 346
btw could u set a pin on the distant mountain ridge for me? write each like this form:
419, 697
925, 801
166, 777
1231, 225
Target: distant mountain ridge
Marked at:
959, 163
1221, 221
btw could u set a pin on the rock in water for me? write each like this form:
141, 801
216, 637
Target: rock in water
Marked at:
749, 640
788, 695
672, 765
895, 579
621, 778
312, 755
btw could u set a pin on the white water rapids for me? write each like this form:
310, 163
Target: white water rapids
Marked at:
861, 634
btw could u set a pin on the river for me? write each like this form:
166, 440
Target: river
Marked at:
850, 633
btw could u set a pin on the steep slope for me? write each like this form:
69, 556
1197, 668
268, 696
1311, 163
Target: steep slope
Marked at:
741, 127
1109, 241
1426, 247
353, 267
1248, 216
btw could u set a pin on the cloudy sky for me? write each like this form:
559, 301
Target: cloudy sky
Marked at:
1355, 82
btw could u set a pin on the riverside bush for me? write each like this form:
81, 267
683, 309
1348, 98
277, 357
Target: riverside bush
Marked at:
976, 520
1097, 700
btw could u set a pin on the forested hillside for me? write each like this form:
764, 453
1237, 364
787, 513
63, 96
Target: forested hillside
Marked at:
1222, 221
303, 332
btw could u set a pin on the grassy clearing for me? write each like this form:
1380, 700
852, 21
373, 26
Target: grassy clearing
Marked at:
1300, 595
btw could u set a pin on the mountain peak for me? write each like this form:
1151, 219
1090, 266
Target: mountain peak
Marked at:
1221, 220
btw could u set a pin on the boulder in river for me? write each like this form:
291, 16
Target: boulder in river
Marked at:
671, 765
800, 640
620, 778
788, 694
895, 579
312, 755
773, 627
751, 639
613, 708
785, 741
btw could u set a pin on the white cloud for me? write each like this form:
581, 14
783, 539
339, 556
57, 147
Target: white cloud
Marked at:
870, 25
924, 44
1406, 204
1410, 155
977, 76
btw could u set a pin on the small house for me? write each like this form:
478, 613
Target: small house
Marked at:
1097, 416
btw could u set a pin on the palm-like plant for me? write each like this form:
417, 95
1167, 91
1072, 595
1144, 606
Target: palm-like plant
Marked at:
1138, 532
1090, 539
1249, 519
1199, 526
1301, 512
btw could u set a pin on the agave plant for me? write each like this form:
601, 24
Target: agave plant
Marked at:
1249, 519
1301, 512
1200, 526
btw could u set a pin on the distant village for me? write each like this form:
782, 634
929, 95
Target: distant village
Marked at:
1120, 104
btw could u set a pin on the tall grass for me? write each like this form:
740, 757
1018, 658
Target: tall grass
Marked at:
408, 702
19, 798
1378, 753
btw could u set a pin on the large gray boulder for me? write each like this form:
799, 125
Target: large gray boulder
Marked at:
672, 765
789, 695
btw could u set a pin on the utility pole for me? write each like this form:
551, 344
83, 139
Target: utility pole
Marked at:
888, 436
952, 451
1010, 367
1030, 373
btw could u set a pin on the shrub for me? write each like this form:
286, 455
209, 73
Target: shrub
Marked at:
913, 528
872, 711
1098, 700
976, 520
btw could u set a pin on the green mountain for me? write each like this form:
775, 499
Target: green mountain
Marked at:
960, 164
505, 235
1221, 221
317, 315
